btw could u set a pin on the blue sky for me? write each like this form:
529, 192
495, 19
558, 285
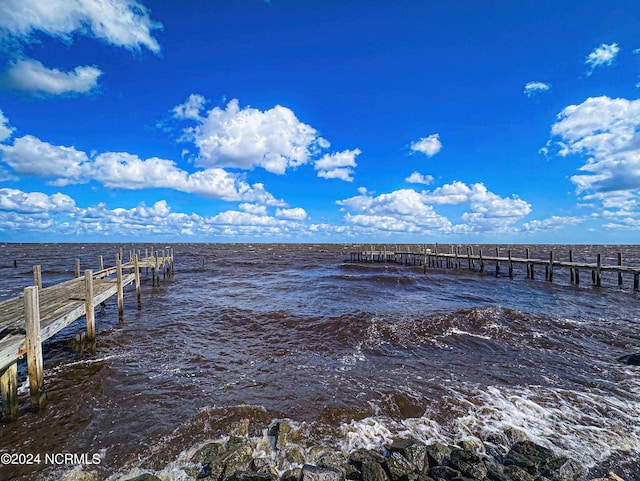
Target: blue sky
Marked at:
320, 121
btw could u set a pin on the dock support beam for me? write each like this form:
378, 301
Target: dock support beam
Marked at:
88, 305
33, 343
119, 287
136, 266
9, 392
37, 276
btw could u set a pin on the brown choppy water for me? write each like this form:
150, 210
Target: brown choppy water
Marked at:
356, 353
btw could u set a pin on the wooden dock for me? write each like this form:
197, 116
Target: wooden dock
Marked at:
29, 320
459, 258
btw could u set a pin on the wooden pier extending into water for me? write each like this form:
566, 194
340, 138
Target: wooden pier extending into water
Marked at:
29, 320
458, 258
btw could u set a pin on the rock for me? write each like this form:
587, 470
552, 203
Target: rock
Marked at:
249, 476
145, 477
205, 471
317, 473
528, 456
292, 475
235, 460
564, 469
444, 472
373, 471
365, 456
369, 463
468, 463
337, 460
633, 359
438, 454
399, 467
208, 453
413, 451
516, 473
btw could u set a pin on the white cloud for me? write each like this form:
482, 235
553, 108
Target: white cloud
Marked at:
5, 129
31, 76
19, 201
296, 213
418, 178
65, 165
429, 146
533, 88
30, 156
401, 210
254, 209
191, 108
246, 138
411, 211
606, 131
123, 23
552, 223
338, 165
602, 56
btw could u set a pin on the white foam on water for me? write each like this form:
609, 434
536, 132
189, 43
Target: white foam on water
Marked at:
455, 331
587, 427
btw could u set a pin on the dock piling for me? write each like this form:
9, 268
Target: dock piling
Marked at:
120, 287
9, 392
33, 343
88, 305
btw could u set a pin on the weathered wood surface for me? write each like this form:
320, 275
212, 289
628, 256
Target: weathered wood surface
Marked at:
460, 260
60, 305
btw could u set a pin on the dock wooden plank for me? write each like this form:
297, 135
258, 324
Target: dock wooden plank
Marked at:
60, 305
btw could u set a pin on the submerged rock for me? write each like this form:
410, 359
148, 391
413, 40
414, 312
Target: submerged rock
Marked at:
317, 473
633, 359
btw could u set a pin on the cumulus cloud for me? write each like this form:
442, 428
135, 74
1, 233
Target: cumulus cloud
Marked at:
534, 88
429, 146
58, 215
123, 23
18, 201
603, 56
246, 138
402, 210
297, 213
5, 129
606, 131
418, 178
338, 165
66, 165
411, 211
30, 156
552, 223
31, 76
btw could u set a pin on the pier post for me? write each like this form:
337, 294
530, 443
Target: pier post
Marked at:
529, 266
119, 287
77, 268
33, 343
510, 264
88, 305
598, 269
636, 278
571, 269
37, 276
620, 273
136, 266
481, 261
100, 263
550, 271
497, 261
9, 392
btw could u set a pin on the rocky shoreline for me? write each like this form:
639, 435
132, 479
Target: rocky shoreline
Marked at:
281, 453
